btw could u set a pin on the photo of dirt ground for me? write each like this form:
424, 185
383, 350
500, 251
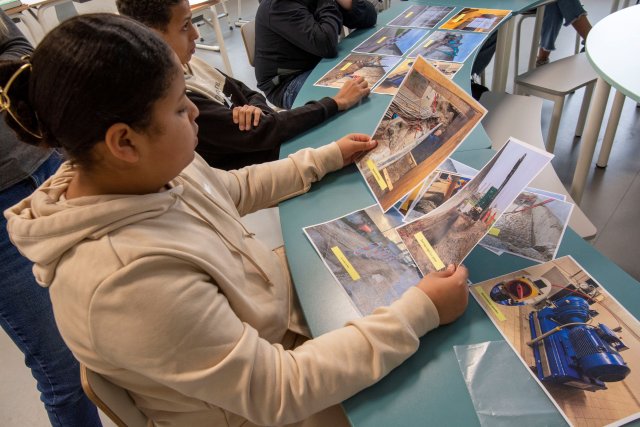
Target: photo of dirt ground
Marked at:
479, 20
426, 121
391, 41
421, 16
448, 46
620, 399
370, 67
391, 83
532, 227
444, 186
374, 250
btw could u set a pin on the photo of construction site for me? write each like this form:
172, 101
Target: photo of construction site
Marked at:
477, 20
391, 83
532, 227
426, 121
391, 41
442, 188
447, 234
448, 46
366, 256
421, 16
370, 67
579, 343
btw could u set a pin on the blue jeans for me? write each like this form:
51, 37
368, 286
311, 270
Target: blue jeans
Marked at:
294, 86
554, 14
27, 317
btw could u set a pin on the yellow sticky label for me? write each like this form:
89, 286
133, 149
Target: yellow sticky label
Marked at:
429, 251
490, 304
347, 65
494, 231
387, 178
428, 43
376, 174
459, 18
345, 263
408, 14
381, 39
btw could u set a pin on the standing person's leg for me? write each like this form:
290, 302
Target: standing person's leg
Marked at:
551, 25
27, 317
293, 88
575, 15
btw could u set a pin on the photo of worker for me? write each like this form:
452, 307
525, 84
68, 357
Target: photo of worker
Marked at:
477, 20
366, 256
448, 233
421, 16
532, 227
448, 46
370, 67
391, 41
581, 345
392, 81
442, 188
426, 121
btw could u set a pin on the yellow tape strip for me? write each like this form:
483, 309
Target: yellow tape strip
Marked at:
387, 178
408, 14
345, 263
347, 65
381, 39
429, 251
494, 231
428, 43
376, 174
489, 302
459, 18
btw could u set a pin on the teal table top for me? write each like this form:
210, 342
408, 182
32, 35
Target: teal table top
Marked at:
428, 389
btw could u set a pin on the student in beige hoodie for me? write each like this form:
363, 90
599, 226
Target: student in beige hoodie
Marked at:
154, 281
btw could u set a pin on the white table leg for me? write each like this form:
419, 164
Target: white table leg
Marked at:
590, 138
584, 108
610, 132
212, 19
535, 42
501, 62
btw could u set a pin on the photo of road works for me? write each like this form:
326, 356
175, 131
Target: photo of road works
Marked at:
370, 67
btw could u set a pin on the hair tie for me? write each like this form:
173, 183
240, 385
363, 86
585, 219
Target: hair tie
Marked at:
5, 101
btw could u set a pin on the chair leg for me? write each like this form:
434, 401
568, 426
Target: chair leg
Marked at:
610, 132
584, 109
554, 124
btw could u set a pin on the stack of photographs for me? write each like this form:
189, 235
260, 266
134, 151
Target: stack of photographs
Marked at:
391, 83
448, 46
421, 16
391, 41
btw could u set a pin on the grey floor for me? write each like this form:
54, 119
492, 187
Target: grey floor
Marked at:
611, 200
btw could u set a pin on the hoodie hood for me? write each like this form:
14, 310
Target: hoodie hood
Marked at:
45, 225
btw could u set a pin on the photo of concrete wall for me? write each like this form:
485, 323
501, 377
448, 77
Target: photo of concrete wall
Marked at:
447, 234
426, 121
392, 81
448, 46
370, 67
421, 16
391, 41
477, 20
580, 343
366, 256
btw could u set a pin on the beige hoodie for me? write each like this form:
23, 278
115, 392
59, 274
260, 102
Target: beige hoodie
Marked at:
170, 297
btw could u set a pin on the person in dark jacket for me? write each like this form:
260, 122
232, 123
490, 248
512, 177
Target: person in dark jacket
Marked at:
236, 125
292, 36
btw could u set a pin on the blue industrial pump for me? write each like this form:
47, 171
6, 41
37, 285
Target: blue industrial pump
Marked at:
570, 352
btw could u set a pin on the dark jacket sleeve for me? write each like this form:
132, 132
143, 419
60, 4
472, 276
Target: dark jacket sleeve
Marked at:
362, 15
316, 33
251, 96
13, 44
217, 132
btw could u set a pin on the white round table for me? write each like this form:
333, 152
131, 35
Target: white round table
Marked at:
613, 48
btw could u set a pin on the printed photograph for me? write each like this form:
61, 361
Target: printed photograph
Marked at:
532, 227
448, 46
448, 233
426, 121
366, 256
391, 41
391, 83
421, 16
477, 20
442, 188
370, 67
580, 344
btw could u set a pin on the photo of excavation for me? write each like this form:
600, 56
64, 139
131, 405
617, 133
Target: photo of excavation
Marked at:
370, 67
426, 121
477, 20
532, 227
366, 256
579, 343
391, 41
391, 83
448, 46
444, 186
421, 16
447, 234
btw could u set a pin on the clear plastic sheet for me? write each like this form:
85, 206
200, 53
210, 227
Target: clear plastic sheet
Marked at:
503, 391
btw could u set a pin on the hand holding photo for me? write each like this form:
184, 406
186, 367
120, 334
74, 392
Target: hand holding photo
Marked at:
391, 41
421, 16
477, 20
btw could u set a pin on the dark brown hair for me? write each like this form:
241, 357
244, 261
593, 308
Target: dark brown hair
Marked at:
154, 13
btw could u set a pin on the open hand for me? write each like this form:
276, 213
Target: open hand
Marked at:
353, 145
246, 116
351, 92
448, 291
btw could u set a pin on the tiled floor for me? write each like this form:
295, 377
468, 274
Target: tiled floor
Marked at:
611, 201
